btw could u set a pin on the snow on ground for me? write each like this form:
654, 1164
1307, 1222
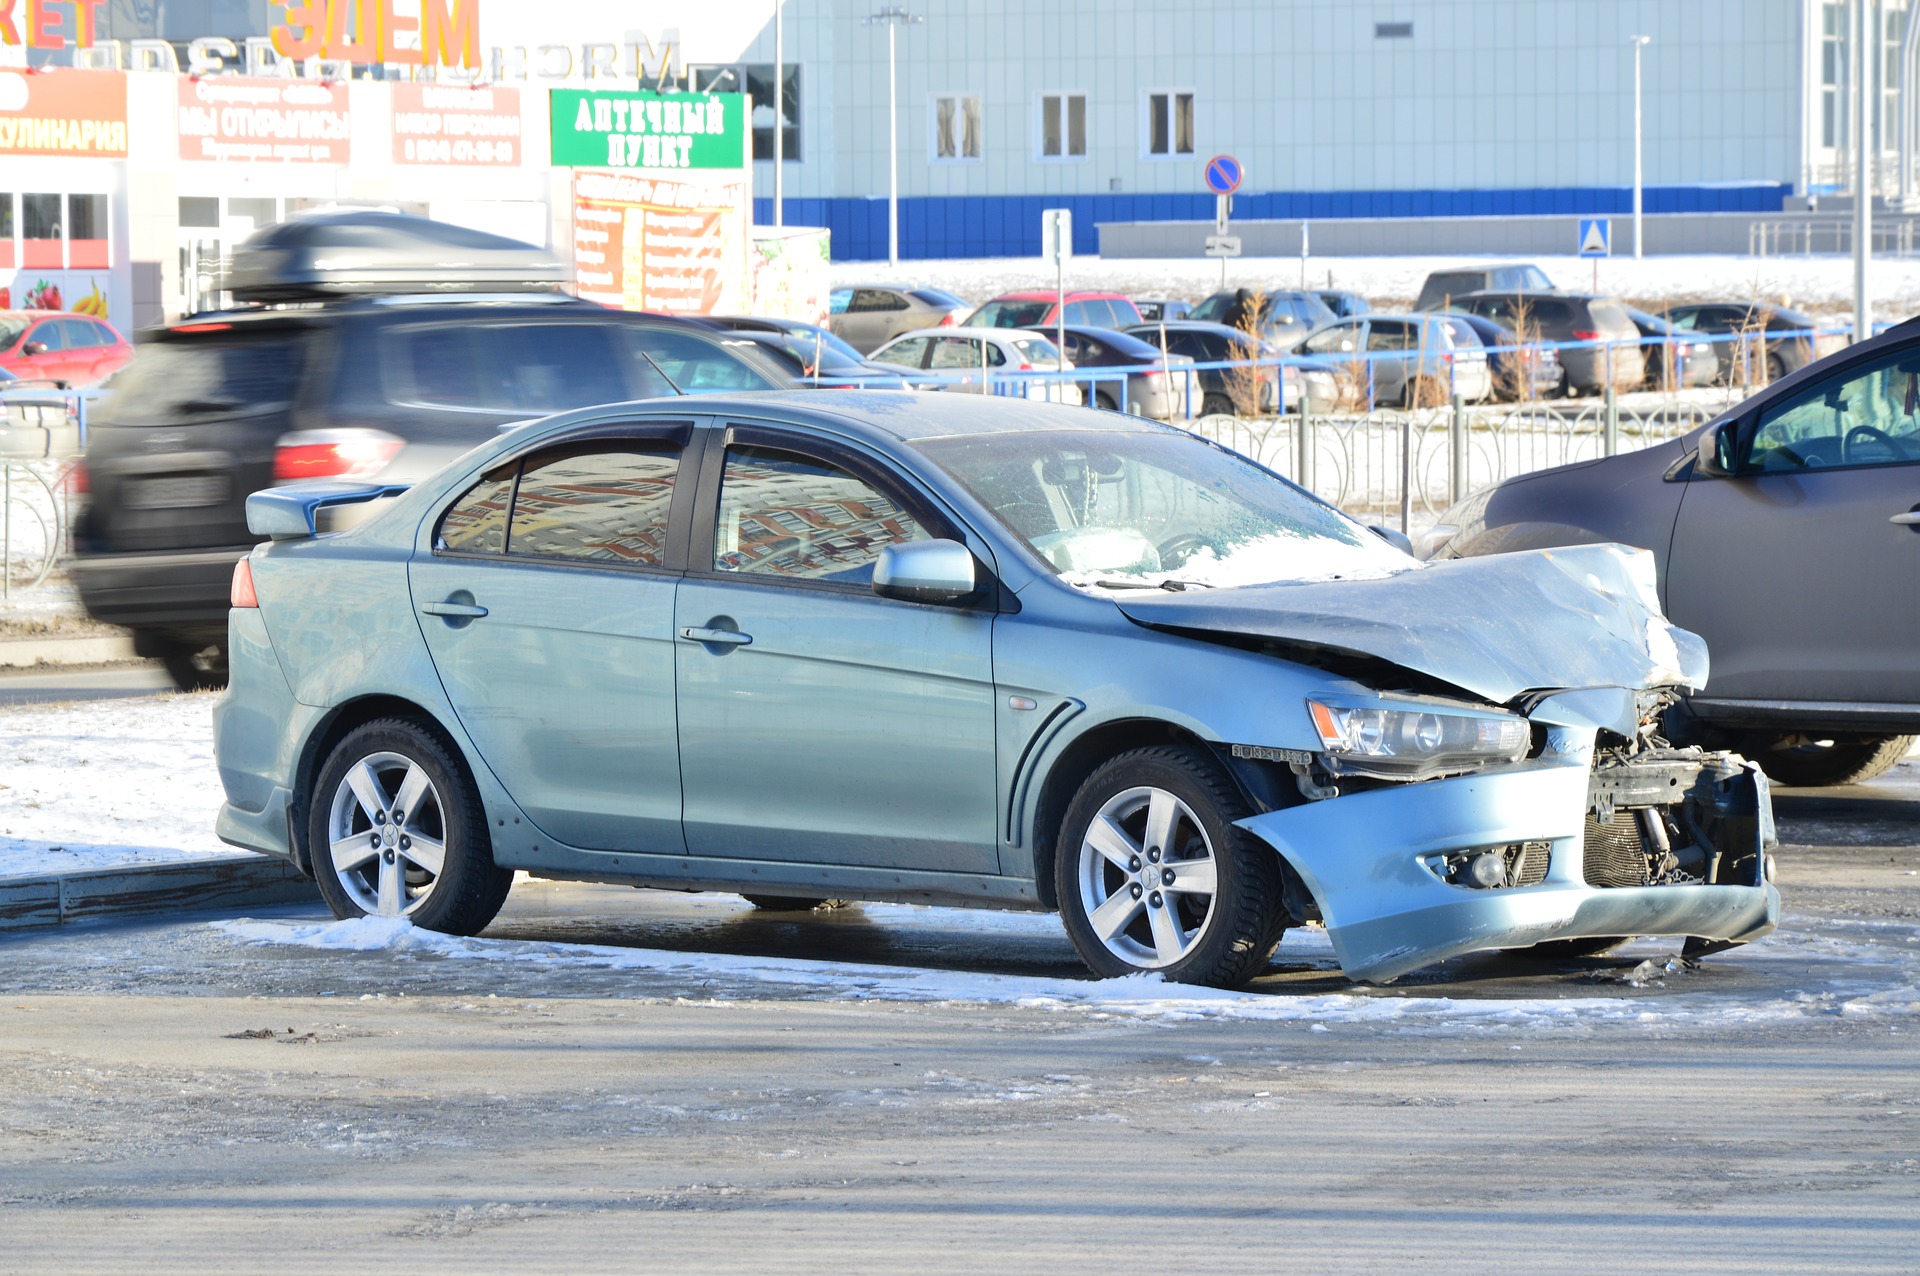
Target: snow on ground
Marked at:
1821, 284
1139, 996
107, 783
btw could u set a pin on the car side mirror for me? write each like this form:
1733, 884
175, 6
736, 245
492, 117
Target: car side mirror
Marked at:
1716, 455
925, 572
34, 347
1394, 537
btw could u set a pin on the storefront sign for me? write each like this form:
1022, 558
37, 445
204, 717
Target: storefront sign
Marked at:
276, 121
661, 242
444, 33
594, 129
63, 113
44, 24
434, 124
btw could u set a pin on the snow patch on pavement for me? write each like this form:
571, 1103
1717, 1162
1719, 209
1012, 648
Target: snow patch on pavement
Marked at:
108, 783
1140, 996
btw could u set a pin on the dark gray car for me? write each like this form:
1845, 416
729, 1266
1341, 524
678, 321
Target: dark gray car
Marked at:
1579, 324
1787, 534
1444, 285
1283, 317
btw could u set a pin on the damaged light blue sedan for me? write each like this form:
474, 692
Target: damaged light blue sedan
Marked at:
956, 650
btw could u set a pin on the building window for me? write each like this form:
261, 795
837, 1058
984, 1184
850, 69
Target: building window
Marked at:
1063, 126
1833, 62
1170, 123
756, 80
956, 127
41, 232
1393, 30
6, 230
87, 233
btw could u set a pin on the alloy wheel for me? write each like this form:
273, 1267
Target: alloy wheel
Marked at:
1147, 877
386, 834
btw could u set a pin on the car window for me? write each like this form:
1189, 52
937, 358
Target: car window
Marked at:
49, 335
1010, 314
1125, 313
1533, 277
961, 352
838, 299
908, 352
477, 522
1686, 320
1387, 336
187, 378
869, 300
694, 365
1080, 312
1334, 340
1867, 416
1547, 313
1036, 350
796, 518
78, 334
604, 505
106, 336
1212, 308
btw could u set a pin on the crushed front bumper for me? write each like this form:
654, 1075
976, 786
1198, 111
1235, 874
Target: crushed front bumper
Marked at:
1365, 858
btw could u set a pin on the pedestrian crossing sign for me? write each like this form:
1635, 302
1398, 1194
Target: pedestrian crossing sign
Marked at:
1596, 236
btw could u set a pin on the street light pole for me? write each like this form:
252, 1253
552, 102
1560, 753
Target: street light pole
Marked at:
1639, 43
779, 119
1864, 59
893, 16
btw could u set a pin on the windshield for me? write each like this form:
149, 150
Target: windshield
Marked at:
1118, 510
1009, 314
1036, 350
10, 330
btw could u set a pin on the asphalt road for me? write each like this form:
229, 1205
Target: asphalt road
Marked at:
614, 1079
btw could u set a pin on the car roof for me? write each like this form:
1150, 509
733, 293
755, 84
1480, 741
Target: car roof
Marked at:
1048, 294
555, 306
882, 417
1187, 325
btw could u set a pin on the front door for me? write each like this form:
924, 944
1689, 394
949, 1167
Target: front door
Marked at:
819, 722
1802, 570
548, 609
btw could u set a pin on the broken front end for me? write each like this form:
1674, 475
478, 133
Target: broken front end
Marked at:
1431, 829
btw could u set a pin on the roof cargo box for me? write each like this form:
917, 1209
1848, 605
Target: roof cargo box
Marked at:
360, 252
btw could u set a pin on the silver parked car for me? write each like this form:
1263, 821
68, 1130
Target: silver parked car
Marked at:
1787, 533
943, 648
976, 361
867, 316
1408, 360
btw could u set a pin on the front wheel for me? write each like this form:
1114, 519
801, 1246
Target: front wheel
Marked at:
395, 829
1152, 874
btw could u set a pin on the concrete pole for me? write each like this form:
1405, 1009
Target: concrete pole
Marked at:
1864, 58
1639, 42
893, 160
779, 119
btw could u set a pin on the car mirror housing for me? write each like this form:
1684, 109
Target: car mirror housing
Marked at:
34, 347
936, 571
1394, 537
1715, 458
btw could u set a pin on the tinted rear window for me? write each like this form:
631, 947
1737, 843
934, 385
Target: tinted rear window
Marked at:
934, 297
1010, 314
202, 376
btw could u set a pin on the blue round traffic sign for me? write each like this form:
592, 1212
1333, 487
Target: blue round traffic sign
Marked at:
1223, 174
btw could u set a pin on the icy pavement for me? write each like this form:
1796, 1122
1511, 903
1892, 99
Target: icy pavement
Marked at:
1820, 284
106, 784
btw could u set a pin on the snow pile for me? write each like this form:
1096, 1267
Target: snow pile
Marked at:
107, 783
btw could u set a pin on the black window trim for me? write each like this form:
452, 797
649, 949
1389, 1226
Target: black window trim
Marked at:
675, 433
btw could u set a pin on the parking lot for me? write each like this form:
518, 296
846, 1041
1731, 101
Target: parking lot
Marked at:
608, 1072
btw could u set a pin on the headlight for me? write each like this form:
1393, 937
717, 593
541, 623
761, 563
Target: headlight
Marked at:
1414, 742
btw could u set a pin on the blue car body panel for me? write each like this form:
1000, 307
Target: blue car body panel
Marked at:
876, 748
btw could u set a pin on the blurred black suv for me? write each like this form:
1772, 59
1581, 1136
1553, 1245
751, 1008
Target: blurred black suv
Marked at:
358, 367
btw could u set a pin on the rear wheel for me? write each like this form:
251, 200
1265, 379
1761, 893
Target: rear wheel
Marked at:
395, 829
1802, 761
1153, 875
1216, 405
192, 667
1104, 399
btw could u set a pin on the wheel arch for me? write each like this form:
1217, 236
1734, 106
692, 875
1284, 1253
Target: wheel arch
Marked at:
333, 728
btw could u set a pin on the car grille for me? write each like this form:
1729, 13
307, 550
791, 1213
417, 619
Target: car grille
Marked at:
175, 491
1527, 863
1615, 855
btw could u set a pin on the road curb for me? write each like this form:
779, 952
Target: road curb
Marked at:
236, 882
27, 653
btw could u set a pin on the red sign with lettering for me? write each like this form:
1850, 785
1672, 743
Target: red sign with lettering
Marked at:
235, 117
448, 124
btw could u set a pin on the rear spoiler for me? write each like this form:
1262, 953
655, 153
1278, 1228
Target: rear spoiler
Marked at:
288, 513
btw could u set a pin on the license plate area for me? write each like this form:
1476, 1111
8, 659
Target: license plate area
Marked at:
175, 491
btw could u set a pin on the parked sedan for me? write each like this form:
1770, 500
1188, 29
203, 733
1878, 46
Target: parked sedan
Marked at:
868, 316
1164, 387
978, 361
943, 649
1260, 386
1411, 360
1521, 370
1676, 359
67, 350
1787, 534
1743, 330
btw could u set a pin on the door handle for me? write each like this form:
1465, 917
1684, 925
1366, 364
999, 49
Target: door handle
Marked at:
720, 637
1909, 519
469, 611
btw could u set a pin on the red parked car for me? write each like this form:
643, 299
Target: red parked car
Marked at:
1037, 310
71, 350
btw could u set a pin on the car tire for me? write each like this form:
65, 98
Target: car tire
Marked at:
1121, 897
1216, 405
368, 864
1776, 368
195, 668
794, 903
1794, 762
1106, 401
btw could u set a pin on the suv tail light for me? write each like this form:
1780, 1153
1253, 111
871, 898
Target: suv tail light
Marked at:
337, 454
241, 594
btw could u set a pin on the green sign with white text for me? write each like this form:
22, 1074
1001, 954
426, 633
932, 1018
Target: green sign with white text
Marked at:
610, 129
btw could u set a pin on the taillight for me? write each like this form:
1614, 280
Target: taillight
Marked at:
949, 320
78, 481
341, 454
1585, 334
1026, 367
241, 594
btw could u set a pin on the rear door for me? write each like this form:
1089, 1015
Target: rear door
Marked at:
873, 318
1795, 569
546, 597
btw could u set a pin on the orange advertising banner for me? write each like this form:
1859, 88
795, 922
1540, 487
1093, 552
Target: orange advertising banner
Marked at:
645, 241
237, 117
63, 112
450, 124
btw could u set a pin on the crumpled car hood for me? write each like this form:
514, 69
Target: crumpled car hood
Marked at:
1497, 626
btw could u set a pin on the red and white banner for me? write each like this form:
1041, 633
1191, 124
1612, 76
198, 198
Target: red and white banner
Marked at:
448, 124
233, 117
653, 242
